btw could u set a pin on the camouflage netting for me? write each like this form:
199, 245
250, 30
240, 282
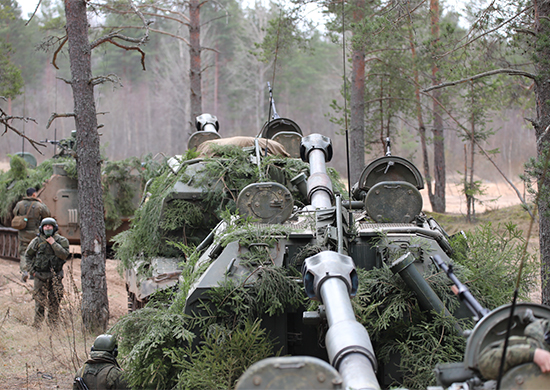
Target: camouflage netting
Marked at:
163, 220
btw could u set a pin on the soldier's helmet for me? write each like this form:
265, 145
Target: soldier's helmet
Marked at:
106, 342
540, 331
48, 221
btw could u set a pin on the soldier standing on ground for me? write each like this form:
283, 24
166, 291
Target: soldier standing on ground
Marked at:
534, 347
36, 211
46, 255
101, 371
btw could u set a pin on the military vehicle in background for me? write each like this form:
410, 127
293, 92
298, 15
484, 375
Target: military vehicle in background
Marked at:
60, 193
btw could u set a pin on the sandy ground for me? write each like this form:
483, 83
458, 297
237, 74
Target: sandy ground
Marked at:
47, 358
497, 195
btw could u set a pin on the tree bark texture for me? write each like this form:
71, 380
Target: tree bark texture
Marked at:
437, 199
420, 119
357, 103
542, 92
95, 303
195, 58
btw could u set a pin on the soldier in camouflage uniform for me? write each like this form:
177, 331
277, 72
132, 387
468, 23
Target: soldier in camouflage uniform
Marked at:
46, 255
38, 212
101, 371
534, 346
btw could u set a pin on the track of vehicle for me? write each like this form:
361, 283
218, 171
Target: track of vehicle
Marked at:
9, 243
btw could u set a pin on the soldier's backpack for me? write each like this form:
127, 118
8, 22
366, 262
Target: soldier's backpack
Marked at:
19, 222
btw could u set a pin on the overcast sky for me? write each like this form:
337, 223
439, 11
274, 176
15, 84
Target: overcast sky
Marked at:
28, 6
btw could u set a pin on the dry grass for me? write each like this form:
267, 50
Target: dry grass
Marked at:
46, 358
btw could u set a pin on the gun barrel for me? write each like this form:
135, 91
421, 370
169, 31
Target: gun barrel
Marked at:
317, 150
348, 343
331, 277
463, 293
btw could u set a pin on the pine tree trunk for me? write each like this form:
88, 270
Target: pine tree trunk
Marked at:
95, 303
437, 199
542, 91
420, 119
357, 103
195, 59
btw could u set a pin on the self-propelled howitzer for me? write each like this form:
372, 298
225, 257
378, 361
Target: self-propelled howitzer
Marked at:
328, 347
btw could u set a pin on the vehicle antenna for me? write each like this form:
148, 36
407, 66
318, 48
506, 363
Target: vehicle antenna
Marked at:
346, 106
271, 102
274, 68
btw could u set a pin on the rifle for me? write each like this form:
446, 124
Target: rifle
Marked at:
80, 383
463, 292
65, 145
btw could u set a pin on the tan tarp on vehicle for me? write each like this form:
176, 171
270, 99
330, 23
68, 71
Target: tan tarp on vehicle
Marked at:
273, 148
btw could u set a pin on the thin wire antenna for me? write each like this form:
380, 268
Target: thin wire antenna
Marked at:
277, 48
346, 101
274, 66
273, 78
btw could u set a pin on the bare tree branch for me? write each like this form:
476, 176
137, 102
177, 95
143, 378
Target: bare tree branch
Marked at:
474, 24
5, 121
113, 78
145, 22
64, 80
184, 19
526, 31
154, 30
130, 48
511, 72
64, 40
34, 13
114, 34
171, 11
55, 115
485, 33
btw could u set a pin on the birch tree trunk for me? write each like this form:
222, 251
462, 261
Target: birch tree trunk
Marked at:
95, 303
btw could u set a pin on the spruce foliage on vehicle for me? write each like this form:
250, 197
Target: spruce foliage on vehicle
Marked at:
158, 340
160, 221
14, 183
121, 180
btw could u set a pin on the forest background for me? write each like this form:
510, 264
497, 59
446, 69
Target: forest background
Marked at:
148, 112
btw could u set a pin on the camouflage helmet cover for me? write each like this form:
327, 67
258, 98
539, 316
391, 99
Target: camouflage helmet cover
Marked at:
540, 331
105, 342
48, 221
